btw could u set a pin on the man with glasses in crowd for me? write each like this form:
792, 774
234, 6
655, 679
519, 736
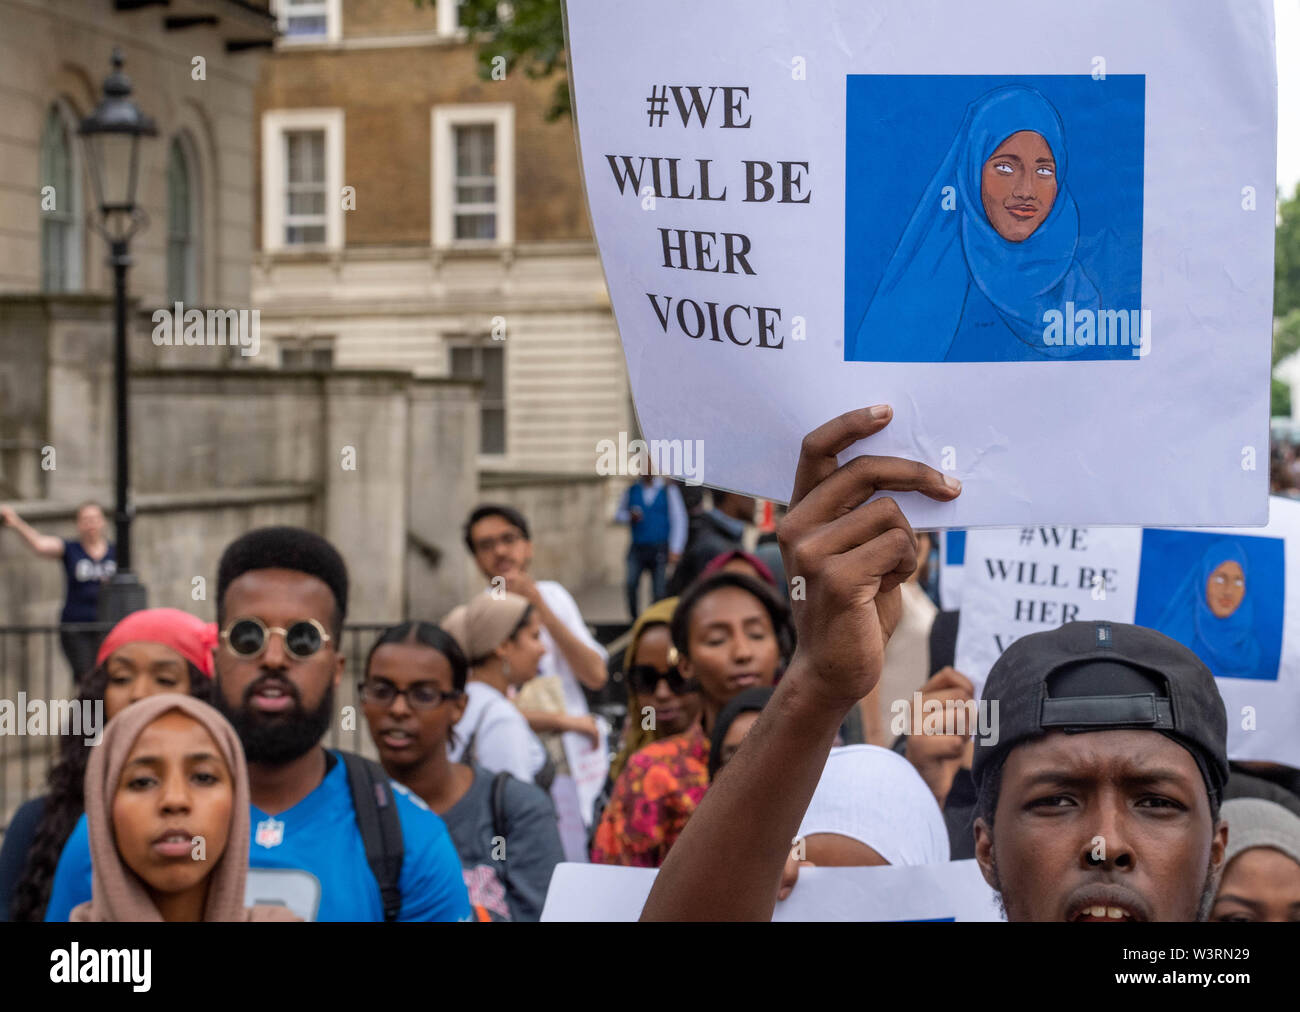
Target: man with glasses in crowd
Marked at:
498, 538
281, 602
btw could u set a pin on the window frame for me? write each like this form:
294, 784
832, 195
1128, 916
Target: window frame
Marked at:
333, 10
445, 118
308, 346
449, 17
73, 269
193, 285
477, 346
276, 123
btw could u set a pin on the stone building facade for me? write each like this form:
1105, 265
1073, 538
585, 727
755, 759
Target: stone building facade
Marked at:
438, 225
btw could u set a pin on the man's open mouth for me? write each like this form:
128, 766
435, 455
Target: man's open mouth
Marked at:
1107, 903
272, 697
1097, 914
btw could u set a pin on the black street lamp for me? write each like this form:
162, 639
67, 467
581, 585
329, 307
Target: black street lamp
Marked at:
112, 138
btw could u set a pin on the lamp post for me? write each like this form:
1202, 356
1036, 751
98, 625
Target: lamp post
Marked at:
112, 139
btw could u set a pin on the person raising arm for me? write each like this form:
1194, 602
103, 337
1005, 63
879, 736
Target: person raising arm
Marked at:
45, 545
727, 864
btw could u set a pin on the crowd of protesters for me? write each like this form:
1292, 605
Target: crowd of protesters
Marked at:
756, 718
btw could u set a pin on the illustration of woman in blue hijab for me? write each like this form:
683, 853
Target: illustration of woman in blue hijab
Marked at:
989, 249
1211, 614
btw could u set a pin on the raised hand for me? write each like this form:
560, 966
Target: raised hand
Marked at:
851, 557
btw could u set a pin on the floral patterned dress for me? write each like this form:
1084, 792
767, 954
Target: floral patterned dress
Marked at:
653, 797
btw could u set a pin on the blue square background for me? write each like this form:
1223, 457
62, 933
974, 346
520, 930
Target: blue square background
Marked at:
1167, 556
900, 127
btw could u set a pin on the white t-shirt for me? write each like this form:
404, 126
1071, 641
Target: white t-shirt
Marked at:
503, 741
561, 602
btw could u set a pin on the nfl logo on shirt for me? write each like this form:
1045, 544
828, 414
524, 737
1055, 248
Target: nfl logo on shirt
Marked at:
270, 833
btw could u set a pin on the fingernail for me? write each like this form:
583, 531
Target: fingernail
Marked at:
880, 411
952, 482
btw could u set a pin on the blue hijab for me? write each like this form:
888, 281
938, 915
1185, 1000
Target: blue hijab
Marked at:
944, 252
1228, 646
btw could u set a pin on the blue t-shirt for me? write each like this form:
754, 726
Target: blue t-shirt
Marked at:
84, 575
318, 838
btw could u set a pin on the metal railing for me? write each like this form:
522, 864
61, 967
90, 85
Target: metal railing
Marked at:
32, 663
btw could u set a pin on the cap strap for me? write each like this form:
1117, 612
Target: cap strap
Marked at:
1108, 711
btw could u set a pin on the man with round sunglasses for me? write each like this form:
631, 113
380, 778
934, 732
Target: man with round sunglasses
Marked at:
281, 602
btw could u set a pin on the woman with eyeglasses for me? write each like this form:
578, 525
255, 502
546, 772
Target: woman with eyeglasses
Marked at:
730, 633
504, 829
158, 650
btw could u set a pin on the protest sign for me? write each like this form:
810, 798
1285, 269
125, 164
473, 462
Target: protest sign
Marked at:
952, 556
954, 891
589, 765
1034, 253
1233, 597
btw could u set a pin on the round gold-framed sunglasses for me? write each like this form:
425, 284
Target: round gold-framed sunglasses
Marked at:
248, 637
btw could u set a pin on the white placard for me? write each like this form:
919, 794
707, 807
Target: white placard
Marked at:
1233, 596
955, 891
589, 765
952, 556
798, 213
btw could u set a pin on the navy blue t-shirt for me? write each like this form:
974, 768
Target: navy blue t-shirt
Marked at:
311, 859
84, 575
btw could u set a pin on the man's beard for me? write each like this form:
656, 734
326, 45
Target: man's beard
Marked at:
276, 739
1209, 890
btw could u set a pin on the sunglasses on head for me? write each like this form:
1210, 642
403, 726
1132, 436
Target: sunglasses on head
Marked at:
248, 637
645, 678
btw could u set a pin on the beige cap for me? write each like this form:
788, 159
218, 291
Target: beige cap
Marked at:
485, 623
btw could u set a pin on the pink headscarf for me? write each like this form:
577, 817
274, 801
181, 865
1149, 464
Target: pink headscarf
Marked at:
117, 892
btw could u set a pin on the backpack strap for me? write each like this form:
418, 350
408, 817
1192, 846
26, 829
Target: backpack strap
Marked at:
499, 804
499, 821
381, 829
469, 754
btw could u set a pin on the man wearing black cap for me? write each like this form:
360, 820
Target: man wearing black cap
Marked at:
1085, 814
1100, 799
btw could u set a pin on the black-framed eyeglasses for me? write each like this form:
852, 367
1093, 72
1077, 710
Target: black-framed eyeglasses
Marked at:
644, 678
484, 545
420, 696
248, 637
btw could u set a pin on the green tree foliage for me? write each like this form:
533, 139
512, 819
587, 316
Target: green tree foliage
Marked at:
1286, 295
1286, 277
528, 33
1281, 399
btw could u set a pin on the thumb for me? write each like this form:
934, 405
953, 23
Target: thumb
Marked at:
790, 875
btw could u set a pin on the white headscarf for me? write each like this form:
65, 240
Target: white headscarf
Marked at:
875, 796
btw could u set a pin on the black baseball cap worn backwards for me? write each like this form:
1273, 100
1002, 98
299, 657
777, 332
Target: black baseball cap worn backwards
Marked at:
1105, 676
